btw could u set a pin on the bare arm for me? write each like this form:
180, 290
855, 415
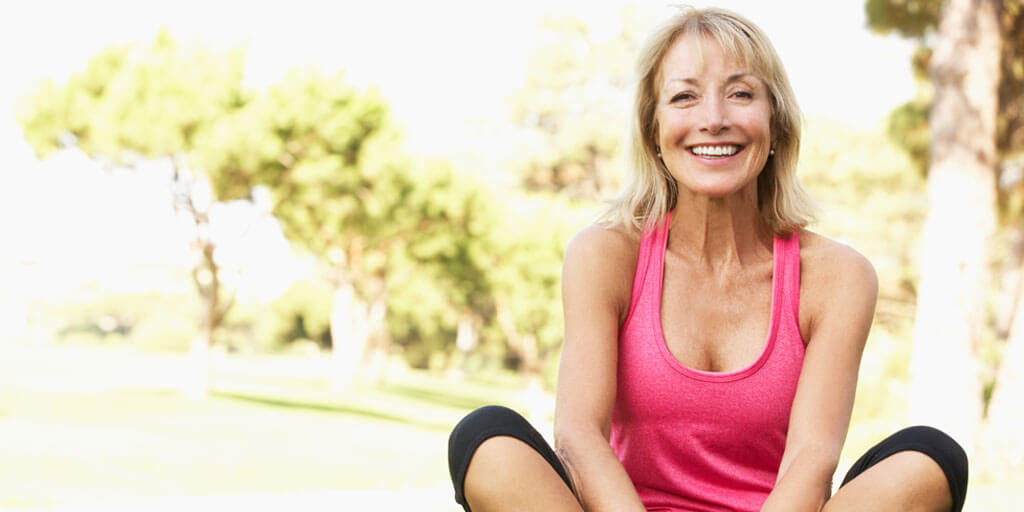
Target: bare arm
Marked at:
596, 287
821, 410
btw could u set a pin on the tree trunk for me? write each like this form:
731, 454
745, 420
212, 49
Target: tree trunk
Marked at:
945, 389
466, 334
349, 335
1010, 273
524, 346
377, 353
208, 285
537, 405
205, 276
466, 339
197, 378
1002, 445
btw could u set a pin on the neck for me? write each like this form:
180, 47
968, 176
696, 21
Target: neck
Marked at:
719, 231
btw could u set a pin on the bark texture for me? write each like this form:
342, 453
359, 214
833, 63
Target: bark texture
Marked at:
205, 277
1002, 446
945, 389
350, 333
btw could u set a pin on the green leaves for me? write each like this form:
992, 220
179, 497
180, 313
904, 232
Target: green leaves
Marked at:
908, 124
433, 242
909, 18
572, 111
136, 100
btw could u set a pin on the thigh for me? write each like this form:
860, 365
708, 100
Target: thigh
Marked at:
523, 452
907, 481
930, 451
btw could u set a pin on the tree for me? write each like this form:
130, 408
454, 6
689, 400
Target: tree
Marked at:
526, 277
919, 20
494, 294
961, 220
571, 112
339, 182
441, 310
344, 191
976, 70
1003, 450
134, 103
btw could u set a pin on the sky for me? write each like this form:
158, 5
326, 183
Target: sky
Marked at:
440, 64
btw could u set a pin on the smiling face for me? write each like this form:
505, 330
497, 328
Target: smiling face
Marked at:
713, 119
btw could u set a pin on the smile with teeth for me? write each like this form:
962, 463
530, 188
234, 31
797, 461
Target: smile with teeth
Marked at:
715, 151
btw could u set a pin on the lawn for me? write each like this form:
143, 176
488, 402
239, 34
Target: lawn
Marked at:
100, 426
91, 428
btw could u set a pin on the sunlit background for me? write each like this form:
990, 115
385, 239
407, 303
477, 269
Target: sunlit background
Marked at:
400, 178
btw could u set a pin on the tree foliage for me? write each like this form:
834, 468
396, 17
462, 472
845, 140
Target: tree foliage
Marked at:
137, 102
421, 246
909, 18
572, 109
874, 200
973, 92
908, 125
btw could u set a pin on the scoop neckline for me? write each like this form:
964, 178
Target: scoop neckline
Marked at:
773, 321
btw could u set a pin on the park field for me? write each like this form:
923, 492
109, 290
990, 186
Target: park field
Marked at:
94, 428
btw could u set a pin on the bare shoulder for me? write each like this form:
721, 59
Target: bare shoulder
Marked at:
600, 261
824, 258
835, 279
603, 245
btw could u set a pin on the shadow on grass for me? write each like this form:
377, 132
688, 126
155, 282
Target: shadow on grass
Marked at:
333, 408
447, 398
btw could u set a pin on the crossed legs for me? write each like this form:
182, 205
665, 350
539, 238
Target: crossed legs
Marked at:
499, 462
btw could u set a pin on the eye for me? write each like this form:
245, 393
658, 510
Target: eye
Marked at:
743, 94
683, 96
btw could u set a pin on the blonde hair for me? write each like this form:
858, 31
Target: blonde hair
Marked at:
783, 202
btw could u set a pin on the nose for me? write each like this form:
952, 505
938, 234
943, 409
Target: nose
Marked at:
713, 119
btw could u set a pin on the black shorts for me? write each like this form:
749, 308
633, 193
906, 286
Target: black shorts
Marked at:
494, 420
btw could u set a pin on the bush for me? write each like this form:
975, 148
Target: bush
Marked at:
302, 312
92, 316
165, 332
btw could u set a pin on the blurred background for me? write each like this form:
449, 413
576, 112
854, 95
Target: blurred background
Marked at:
267, 256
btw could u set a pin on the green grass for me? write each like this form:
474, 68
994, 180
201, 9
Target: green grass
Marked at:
65, 439
102, 425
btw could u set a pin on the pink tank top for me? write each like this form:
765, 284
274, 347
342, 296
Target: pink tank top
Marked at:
692, 440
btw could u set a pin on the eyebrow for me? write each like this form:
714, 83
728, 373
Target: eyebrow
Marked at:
693, 81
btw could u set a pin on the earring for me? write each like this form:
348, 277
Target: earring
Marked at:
657, 149
771, 152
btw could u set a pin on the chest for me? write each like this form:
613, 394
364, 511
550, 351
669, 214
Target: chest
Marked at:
715, 322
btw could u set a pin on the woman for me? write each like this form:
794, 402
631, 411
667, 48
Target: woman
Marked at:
711, 342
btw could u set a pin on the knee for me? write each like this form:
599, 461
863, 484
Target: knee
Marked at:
935, 438
937, 444
945, 451
476, 426
487, 417
472, 431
